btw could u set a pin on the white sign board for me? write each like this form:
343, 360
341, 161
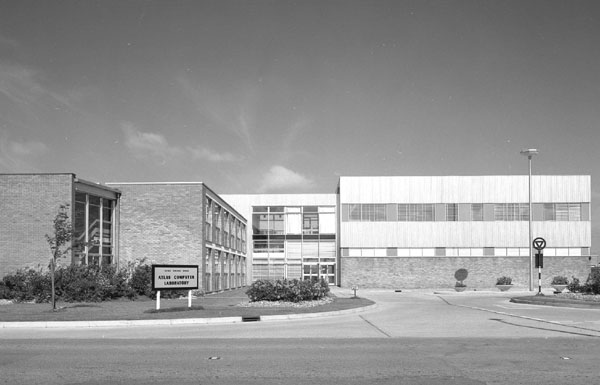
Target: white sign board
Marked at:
177, 277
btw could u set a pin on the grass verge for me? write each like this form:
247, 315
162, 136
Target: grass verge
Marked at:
223, 304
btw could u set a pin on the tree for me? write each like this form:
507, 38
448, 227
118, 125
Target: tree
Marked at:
60, 242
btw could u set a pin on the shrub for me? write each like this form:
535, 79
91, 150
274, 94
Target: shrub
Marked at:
141, 280
27, 285
592, 284
4, 291
504, 281
73, 284
575, 286
287, 290
461, 275
559, 280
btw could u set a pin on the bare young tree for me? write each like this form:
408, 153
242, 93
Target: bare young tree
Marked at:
60, 242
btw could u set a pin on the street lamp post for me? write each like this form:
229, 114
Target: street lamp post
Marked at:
529, 153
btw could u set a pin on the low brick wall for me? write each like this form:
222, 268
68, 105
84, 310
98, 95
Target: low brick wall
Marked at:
438, 272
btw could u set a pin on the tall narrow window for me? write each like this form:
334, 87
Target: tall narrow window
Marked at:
452, 212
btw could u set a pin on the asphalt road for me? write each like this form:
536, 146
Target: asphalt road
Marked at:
409, 338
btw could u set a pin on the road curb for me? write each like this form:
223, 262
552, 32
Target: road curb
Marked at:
555, 302
167, 322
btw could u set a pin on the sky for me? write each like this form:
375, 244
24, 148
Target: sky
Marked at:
286, 96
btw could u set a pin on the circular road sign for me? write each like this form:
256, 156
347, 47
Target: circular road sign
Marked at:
539, 243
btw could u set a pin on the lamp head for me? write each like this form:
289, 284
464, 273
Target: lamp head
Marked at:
529, 152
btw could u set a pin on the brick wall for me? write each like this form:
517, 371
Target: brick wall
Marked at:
161, 222
438, 272
28, 207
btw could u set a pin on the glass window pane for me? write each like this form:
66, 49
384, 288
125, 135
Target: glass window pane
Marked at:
574, 212
549, 213
477, 212
354, 212
310, 223
562, 211
403, 212
451, 212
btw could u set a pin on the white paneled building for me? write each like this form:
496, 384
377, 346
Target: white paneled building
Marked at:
417, 231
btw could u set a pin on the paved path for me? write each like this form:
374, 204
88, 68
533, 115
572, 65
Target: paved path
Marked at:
396, 315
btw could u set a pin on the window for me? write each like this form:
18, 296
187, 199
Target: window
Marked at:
511, 212
373, 212
562, 211
417, 212
477, 212
260, 223
451, 212
93, 229
366, 212
310, 223
354, 212
276, 225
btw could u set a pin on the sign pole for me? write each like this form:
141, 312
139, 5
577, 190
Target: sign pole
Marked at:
539, 244
158, 300
189, 298
540, 280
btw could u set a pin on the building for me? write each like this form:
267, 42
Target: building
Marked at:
160, 223
293, 235
29, 205
184, 223
410, 232
385, 232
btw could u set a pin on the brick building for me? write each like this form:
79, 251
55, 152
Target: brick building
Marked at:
183, 223
162, 223
29, 205
388, 232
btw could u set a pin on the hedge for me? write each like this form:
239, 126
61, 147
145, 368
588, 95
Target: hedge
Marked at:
293, 290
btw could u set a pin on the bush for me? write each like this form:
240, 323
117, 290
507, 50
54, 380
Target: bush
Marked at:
287, 290
504, 281
592, 284
73, 284
4, 291
141, 280
27, 285
575, 286
559, 280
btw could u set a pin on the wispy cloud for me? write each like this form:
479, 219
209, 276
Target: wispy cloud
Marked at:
279, 178
18, 156
148, 145
24, 94
234, 112
203, 153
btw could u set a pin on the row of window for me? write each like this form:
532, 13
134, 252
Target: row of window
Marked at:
307, 220
224, 228
223, 270
450, 212
463, 252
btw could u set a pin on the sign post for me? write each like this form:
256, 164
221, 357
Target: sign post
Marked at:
539, 244
174, 277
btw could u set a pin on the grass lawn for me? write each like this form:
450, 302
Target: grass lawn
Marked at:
211, 306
